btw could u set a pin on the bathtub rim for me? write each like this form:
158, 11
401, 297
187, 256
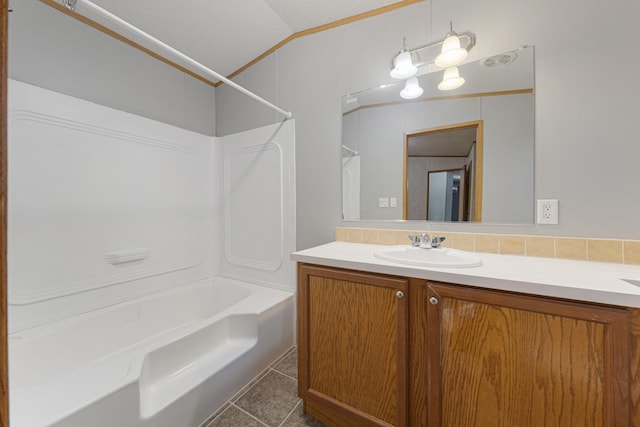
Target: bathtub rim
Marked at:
135, 353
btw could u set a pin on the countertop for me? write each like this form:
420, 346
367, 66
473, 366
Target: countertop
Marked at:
577, 280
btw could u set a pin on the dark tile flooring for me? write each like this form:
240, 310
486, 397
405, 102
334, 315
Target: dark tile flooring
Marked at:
270, 400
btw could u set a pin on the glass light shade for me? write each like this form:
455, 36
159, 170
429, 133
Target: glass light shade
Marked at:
451, 79
451, 54
411, 89
404, 67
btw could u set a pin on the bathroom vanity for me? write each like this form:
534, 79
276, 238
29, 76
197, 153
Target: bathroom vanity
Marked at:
518, 341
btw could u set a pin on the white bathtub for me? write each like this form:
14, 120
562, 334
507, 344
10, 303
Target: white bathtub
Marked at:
170, 359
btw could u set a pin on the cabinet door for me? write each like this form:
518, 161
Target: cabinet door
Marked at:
352, 340
510, 360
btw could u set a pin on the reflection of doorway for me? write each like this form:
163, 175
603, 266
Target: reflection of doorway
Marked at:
456, 147
351, 188
446, 195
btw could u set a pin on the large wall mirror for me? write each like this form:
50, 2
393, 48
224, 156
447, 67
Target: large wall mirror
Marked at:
465, 155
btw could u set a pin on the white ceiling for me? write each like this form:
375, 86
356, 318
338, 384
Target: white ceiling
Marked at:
453, 143
224, 35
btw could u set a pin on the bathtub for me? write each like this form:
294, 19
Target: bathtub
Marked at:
169, 359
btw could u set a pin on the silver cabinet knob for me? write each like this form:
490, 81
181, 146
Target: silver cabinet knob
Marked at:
400, 294
433, 300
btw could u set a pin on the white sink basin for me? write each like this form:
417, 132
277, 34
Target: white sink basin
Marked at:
443, 257
633, 282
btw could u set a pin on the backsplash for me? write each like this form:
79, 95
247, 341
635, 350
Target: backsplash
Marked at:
601, 250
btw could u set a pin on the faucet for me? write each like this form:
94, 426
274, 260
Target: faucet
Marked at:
424, 241
436, 242
420, 240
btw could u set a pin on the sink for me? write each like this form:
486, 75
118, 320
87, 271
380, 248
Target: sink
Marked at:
442, 257
632, 282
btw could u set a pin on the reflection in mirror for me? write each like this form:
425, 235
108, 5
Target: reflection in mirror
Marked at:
351, 187
495, 108
445, 195
435, 154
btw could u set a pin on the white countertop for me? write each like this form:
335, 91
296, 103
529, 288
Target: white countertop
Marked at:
578, 280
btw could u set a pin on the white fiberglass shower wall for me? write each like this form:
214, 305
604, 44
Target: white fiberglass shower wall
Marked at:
121, 229
258, 219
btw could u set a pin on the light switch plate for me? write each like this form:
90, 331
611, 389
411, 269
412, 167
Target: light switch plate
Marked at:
383, 202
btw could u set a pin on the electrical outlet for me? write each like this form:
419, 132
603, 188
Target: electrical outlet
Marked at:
383, 202
393, 202
548, 211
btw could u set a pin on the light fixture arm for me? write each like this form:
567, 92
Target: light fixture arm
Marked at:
70, 4
426, 54
451, 32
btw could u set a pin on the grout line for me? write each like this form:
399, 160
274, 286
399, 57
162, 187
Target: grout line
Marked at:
290, 412
210, 420
249, 414
250, 385
283, 374
282, 356
255, 380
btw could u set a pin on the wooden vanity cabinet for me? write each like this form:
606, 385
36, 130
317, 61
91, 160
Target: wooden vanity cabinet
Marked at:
451, 355
352, 347
502, 359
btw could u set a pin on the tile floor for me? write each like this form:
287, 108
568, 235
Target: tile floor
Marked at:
270, 400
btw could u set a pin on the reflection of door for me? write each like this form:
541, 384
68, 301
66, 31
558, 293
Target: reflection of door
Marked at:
445, 148
468, 193
446, 195
351, 188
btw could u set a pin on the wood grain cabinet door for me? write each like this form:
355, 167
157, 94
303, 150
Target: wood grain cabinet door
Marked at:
352, 347
498, 359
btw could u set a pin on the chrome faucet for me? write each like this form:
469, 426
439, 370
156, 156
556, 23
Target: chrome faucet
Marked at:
424, 241
420, 240
436, 242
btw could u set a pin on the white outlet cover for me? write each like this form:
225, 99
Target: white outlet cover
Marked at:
383, 202
547, 211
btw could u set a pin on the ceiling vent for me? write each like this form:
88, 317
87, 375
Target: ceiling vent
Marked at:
499, 60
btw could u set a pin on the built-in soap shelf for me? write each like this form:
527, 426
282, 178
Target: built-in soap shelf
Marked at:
126, 255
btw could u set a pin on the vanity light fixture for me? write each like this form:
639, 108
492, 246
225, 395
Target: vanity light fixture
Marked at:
70, 4
412, 89
451, 79
452, 53
445, 54
403, 64
412, 59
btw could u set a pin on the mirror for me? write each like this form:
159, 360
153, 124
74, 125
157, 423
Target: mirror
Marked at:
393, 149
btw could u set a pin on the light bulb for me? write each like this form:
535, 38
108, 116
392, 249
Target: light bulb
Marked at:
411, 89
451, 54
403, 66
451, 79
